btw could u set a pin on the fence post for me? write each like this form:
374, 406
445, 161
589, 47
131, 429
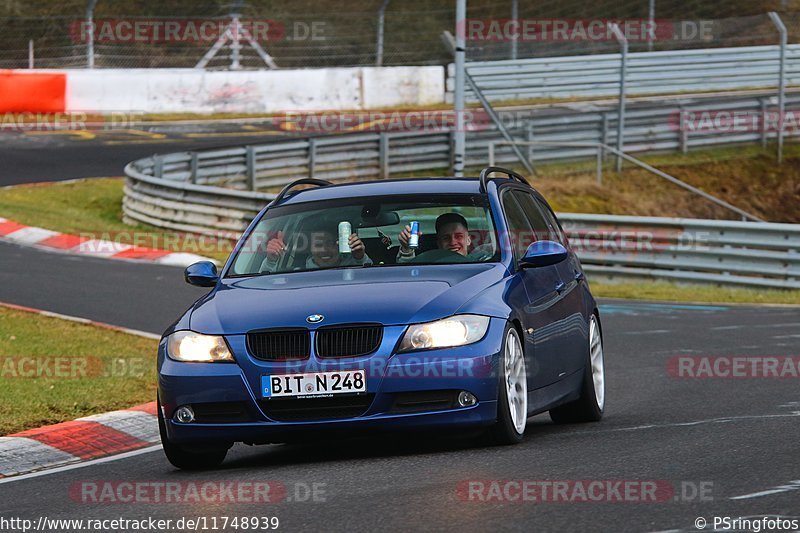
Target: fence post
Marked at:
776, 20
379, 41
312, 157
491, 153
460, 145
763, 123
30, 53
623, 43
158, 166
515, 18
194, 163
250, 161
90, 33
383, 155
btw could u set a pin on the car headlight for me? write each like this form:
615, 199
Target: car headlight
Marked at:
191, 347
453, 331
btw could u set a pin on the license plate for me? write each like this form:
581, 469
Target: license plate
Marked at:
314, 384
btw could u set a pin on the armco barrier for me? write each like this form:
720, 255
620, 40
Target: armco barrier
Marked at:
683, 249
650, 126
713, 69
722, 252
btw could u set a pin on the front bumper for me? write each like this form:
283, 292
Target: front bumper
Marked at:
470, 368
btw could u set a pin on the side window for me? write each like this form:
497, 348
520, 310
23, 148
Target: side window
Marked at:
521, 234
534, 215
555, 228
541, 218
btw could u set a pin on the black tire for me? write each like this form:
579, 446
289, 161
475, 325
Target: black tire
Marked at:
586, 407
187, 458
504, 432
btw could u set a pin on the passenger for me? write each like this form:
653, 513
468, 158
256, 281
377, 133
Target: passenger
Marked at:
324, 251
452, 233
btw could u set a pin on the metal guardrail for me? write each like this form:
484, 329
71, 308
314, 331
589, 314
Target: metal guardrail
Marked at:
722, 252
688, 250
674, 71
649, 127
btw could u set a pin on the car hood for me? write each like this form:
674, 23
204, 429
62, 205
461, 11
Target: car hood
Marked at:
387, 295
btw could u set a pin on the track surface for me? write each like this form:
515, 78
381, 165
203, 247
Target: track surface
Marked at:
738, 435
89, 154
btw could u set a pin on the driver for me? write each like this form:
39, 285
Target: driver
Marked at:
324, 251
452, 234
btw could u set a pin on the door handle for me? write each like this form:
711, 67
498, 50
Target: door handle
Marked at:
579, 276
560, 286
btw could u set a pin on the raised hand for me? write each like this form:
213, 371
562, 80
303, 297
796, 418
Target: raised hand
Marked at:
276, 247
356, 247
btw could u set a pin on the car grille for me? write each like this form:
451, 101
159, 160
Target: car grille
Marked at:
330, 408
279, 345
348, 341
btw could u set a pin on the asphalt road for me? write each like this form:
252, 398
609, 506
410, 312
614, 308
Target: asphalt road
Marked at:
101, 153
710, 440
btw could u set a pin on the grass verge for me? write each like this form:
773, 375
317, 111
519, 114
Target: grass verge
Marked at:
94, 207
673, 292
53, 370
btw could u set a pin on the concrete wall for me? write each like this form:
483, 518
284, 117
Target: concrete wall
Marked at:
199, 91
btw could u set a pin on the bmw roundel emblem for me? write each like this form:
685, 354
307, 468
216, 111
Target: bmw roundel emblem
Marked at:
313, 319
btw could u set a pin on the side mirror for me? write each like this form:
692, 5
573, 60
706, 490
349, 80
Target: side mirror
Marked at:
202, 274
543, 253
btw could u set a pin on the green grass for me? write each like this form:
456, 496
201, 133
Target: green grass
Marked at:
94, 206
672, 292
77, 370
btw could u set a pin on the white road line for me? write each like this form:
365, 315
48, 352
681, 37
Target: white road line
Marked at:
793, 485
81, 465
721, 420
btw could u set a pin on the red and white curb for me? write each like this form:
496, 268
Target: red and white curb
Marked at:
74, 244
84, 439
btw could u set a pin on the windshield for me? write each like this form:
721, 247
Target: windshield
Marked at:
370, 231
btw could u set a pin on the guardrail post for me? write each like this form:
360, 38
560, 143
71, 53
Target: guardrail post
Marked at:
600, 152
383, 155
776, 20
623, 43
604, 133
194, 164
312, 157
529, 138
158, 166
763, 123
683, 131
250, 162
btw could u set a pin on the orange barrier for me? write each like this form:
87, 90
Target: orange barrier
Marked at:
32, 92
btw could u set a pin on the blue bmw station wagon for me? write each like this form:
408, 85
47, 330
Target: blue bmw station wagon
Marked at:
385, 305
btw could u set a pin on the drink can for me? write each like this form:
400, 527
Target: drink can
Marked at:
413, 240
344, 237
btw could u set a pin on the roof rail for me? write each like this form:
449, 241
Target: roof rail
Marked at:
510, 173
303, 181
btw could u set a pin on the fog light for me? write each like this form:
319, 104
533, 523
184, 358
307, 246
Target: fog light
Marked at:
185, 415
465, 399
